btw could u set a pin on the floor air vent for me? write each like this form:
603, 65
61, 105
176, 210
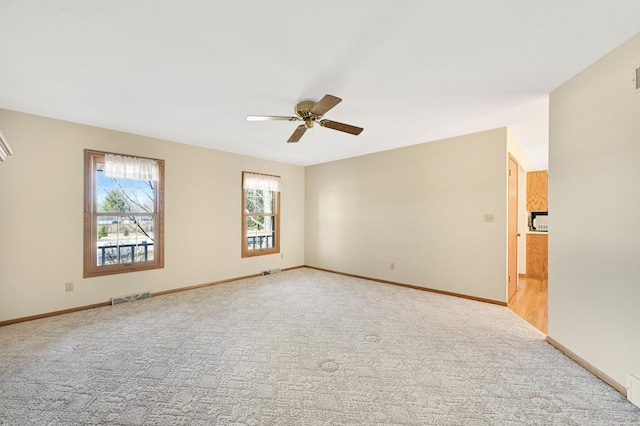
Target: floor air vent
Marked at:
130, 298
271, 271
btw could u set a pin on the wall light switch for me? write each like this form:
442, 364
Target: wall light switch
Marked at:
68, 286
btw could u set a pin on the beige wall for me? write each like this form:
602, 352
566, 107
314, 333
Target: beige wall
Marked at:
420, 207
594, 290
41, 190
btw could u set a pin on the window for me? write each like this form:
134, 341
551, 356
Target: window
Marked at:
123, 213
260, 214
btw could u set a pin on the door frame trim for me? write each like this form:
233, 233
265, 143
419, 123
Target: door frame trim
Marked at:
511, 157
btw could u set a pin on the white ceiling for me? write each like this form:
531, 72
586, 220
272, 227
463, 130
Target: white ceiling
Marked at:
408, 71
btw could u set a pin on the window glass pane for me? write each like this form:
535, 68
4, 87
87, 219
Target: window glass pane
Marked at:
258, 201
254, 201
144, 227
268, 202
125, 239
115, 195
107, 240
260, 232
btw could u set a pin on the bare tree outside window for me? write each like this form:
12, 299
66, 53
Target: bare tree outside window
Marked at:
131, 238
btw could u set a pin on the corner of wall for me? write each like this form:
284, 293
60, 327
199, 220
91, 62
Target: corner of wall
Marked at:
593, 291
515, 149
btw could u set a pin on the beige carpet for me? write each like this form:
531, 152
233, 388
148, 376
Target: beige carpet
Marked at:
301, 347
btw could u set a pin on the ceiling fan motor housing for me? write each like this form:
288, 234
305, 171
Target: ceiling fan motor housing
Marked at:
303, 109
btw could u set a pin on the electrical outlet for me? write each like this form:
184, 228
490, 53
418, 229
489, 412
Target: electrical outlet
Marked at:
68, 286
281, 255
392, 266
489, 217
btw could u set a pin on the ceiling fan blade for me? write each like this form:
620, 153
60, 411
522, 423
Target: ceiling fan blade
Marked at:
297, 134
270, 118
347, 128
325, 104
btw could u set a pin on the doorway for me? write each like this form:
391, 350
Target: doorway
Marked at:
527, 293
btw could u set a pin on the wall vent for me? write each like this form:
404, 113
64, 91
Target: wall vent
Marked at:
633, 389
271, 271
130, 298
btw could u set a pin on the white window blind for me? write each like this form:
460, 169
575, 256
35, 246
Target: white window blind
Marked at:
120, 166
261, 182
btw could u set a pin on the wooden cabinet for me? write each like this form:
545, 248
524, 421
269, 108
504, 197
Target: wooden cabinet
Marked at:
537, 244
537, 256
537, 191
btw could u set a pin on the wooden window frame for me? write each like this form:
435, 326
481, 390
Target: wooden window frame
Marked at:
91, 269
276, 221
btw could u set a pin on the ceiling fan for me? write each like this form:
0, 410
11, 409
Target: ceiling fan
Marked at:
311, 112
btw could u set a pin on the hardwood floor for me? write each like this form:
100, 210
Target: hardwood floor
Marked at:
530, 302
